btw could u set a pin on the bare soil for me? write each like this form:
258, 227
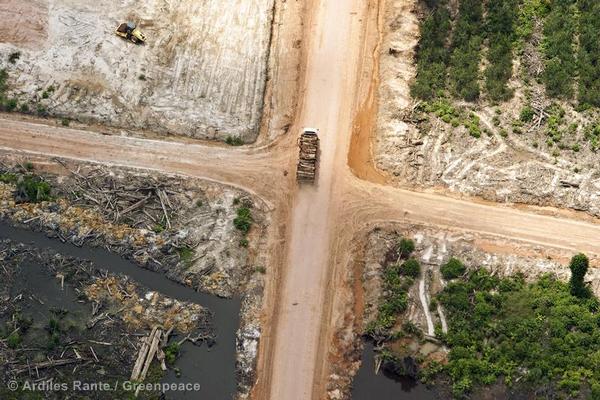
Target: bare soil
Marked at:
201, 74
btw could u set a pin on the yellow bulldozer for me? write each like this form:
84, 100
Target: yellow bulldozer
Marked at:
130, 31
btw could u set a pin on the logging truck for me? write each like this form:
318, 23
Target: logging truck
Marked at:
308, 143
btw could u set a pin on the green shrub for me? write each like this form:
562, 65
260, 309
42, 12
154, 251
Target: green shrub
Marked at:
13, 340
453, 269
405, 247
32, 189
527, 114
260, 269
11, 104
589, 53
243, 220
8, 178
411, 268
171, 353
234, 141
579, 266
186, 256
3, 83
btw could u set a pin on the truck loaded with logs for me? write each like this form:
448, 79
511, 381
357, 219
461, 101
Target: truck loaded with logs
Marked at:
309, 155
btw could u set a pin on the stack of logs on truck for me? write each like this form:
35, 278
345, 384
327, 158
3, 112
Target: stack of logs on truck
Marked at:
309, 154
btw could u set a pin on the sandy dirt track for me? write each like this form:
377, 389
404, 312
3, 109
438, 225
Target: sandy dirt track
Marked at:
308, 254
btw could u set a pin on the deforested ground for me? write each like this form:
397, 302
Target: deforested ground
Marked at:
201, 74
199, 234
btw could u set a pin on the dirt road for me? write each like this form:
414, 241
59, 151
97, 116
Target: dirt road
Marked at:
309, 253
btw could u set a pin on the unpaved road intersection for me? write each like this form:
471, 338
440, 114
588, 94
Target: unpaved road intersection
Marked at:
318, 223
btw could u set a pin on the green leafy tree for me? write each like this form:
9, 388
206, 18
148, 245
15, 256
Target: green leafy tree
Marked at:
579, 266
453, 269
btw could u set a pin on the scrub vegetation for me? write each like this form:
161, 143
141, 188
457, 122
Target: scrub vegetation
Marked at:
540, 334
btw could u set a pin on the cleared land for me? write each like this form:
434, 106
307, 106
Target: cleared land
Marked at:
201, 74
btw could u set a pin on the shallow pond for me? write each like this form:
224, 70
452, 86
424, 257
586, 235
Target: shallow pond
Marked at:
370, 386
213, 368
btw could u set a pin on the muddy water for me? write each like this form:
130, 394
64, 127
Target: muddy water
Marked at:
213, 368
368, 386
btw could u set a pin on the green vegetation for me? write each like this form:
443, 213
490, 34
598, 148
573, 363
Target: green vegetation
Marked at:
32, 189
592, 134
158, 228
10, 104
405, 247
234, 141
65, 121
13, 340
579, 267
432, 54
501, 17
397, 280
559, 35
243, 220
527, 114
410, 268
260, 269
54, 329
534, 334
453, 269
186, 256
589, 52
473, 125
8, 178
466, 49
171, 352
528, 12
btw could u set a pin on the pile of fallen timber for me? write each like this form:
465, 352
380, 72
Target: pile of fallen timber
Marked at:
152, 346
309, 152
138, 201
